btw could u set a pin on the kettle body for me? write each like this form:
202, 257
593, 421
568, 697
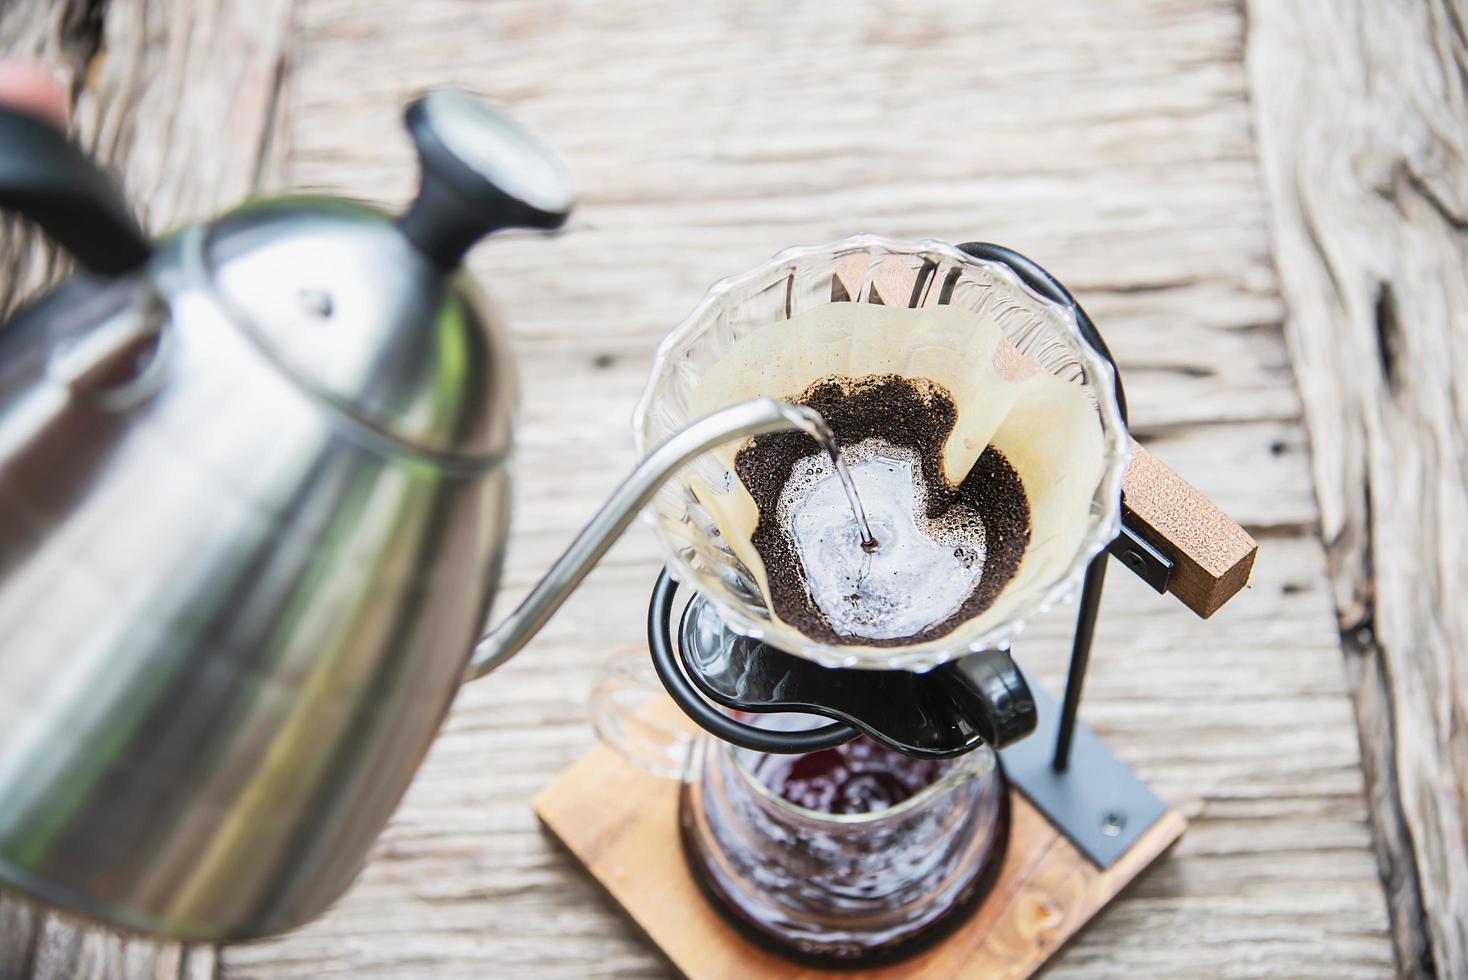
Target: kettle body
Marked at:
234, 607
254, 500
253, 505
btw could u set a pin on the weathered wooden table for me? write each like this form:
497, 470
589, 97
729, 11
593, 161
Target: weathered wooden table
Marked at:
1229, 191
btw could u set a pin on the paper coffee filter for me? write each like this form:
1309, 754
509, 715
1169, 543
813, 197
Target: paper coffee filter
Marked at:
1045, 426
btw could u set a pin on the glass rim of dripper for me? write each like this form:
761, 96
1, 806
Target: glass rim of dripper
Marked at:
1102, 528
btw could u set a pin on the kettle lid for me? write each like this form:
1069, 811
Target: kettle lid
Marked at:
372, 313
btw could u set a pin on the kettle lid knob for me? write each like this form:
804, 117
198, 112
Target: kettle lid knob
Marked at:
481, 172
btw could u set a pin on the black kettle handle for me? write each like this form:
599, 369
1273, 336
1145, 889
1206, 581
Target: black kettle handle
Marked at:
51, 181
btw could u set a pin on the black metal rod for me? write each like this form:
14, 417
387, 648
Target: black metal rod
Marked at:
1047, 285
1080, 658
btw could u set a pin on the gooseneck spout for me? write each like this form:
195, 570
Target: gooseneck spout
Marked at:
745, 419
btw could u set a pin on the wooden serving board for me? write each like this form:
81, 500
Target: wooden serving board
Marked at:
620, 823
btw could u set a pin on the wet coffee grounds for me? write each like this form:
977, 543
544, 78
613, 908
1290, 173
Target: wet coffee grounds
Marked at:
914, 413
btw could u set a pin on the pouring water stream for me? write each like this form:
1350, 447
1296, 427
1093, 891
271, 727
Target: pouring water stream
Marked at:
822, 434
755, 417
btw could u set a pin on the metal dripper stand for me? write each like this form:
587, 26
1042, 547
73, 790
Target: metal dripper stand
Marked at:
1172, 537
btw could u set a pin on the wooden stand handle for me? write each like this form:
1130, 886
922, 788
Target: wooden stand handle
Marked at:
1210, 553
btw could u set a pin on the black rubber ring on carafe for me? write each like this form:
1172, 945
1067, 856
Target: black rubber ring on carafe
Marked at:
708, 717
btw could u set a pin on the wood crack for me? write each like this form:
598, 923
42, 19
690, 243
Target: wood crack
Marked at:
1425, 191
1388, 337
1392, 838
32, 947
81, 37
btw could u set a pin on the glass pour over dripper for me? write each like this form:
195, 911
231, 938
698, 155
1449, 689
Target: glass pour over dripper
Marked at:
1023, 375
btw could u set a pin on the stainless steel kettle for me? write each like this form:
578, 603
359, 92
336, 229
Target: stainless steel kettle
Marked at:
254, 497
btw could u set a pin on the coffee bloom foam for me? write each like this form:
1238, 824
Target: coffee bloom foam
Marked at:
923, 568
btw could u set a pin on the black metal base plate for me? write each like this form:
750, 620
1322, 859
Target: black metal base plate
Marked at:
1098, 802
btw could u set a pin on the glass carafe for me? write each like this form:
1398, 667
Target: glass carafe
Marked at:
853, 888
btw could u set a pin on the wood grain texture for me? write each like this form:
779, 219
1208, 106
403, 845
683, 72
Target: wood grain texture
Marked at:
1211, 554
1110, 142
1362, 115
178, 97
621, 824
